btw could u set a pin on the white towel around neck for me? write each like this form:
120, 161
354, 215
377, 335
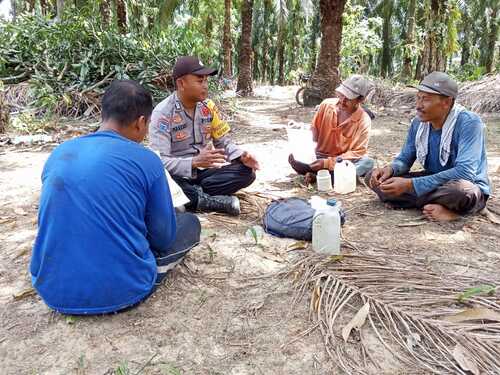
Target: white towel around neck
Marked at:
422, 138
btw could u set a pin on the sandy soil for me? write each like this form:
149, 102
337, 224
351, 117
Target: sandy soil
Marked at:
220, 312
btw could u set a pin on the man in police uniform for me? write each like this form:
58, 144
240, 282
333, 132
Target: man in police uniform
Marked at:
193, 144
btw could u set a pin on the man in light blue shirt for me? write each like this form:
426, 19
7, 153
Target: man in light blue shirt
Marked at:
449, 143
107, 230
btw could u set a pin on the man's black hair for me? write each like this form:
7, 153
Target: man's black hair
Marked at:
125, 101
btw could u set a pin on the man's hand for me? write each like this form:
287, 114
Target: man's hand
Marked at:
379, 175
209, 158
249, 160
396, 186
317, 165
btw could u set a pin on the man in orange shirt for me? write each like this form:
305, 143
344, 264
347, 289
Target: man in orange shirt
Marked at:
341, 129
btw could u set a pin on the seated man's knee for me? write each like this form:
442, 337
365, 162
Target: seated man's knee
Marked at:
461, 188
246, 173
364, 165
189, 225
461, 196
251, 177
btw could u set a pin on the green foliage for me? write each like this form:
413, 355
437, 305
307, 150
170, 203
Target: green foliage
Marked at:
361, 39
70, 319
479, 290
467, 72
69, 63
171, 370
28, 123
122, 369
453, 20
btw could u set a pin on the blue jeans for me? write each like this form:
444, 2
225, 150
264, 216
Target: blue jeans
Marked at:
363, 165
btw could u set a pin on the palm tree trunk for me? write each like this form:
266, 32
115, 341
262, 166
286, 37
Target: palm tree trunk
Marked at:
265, 66
121, 16
466, 42
244, 86
409, 40
386, 61
105, 10
281, 59
315, 24
226, 40
31, 5
43, 7
59, 10
492, 38
134, 16
432, 57
280, 52
326, 76
209, 28
14, 9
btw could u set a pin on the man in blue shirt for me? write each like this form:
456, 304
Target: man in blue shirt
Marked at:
107, 230
449, 143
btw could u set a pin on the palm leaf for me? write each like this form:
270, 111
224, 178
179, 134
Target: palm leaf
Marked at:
408, 306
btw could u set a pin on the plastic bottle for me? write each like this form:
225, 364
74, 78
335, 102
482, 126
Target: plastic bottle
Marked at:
326, 229
344, 176
324, 180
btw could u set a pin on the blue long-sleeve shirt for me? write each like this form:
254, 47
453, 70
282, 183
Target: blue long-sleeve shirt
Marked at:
467, 160
105, 209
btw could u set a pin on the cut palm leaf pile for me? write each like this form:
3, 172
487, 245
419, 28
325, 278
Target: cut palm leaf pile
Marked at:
412, 312
481, 96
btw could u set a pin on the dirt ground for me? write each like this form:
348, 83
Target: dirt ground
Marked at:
221, 312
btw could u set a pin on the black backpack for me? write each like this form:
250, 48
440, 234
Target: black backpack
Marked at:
292, 218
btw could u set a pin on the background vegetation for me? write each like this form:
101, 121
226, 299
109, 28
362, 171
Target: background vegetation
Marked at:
68, 51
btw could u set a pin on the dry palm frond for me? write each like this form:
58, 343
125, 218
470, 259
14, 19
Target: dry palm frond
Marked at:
408, 309
481, 96
253, 205
18, 95
388, 95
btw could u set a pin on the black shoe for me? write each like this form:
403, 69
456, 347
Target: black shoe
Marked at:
226, 204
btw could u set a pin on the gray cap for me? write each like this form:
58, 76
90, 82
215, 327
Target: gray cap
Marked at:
438, 83
355, 86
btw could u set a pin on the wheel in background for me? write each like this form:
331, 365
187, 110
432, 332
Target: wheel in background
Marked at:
299, 96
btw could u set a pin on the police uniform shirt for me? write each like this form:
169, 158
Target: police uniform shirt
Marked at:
178, 138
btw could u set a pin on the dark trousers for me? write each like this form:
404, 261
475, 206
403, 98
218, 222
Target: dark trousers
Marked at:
187, 236
460, 196
216, 181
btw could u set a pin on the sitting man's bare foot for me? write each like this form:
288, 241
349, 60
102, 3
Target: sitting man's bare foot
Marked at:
436, 212
300, 168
